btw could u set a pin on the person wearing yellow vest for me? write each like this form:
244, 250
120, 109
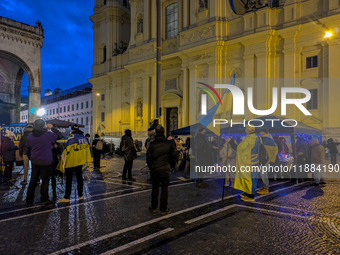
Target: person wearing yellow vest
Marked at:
247, 157
272, 149
75, 155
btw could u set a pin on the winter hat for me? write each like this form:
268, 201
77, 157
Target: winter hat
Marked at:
9, 133
75, 127
250, 128
315, 141
39, 123
29, 125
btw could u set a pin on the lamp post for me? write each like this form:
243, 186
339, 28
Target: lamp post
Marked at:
158, 55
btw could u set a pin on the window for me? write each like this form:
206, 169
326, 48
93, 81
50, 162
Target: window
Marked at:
64, 108
81, 105
313, 102
60, 110
68, 120
53, 111
311, 62
103, 116
103, 97
72, 120
126, 3
77, 106
77, 120
140, 26
203, 4
104, 54
56, 110
171, 21
73, 107
105, 2
87, 120
91, 103
68, 108
50, 112
82, 121
87, 104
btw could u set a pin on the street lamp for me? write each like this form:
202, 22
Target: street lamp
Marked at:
328, 34
41, 112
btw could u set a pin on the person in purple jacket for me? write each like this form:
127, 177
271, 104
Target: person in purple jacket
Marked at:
39, 145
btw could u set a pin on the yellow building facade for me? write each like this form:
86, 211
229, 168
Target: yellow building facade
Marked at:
206, 39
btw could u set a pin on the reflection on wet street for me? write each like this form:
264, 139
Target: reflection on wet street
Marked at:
114, 218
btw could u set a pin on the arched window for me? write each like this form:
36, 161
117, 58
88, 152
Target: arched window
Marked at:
171, 20
140, 26
203, 4
105, 1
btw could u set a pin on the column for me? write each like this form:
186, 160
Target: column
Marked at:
132, 104
153, 20
153, 96
186, 13
133, 22
33, 101
147, 20
192, 96
193, 13
185, 110
146, 102
108, 109
249, 73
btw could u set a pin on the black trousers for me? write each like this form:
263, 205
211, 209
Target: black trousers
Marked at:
333, 159
128, 168
69, 175
164, 182
44, 172
8, 169
96, 158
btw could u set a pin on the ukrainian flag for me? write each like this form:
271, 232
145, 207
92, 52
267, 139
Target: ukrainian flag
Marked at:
99, 132
207, 120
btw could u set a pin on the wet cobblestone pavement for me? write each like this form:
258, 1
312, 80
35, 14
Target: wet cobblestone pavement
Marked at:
114, 218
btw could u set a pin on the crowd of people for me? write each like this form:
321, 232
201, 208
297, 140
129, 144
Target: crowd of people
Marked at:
164, 155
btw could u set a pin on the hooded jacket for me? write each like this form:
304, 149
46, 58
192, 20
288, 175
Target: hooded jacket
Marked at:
130, 151
161, 156
39, 145
22, 143
318, 154
8, 149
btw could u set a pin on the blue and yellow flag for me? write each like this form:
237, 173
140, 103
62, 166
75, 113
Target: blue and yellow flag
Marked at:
208, 119
99, 132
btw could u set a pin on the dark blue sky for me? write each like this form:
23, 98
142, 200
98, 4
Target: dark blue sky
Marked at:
67, 52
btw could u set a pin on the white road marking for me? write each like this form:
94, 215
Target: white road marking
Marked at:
112, 182
147, 222
134, 243
210, 214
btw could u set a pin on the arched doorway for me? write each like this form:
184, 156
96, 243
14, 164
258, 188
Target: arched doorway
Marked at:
12, 69
20, 53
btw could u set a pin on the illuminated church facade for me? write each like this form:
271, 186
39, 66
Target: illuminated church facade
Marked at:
296, 40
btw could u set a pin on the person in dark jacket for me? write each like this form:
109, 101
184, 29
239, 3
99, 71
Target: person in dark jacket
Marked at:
96, 152
127, 147
331, 145
8, 152
23, 150
161, 156
39, 145
302, 156
203, 154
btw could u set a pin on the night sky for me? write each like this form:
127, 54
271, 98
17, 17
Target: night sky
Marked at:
67, 52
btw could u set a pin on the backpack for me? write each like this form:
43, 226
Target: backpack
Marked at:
263, 155
99, 145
